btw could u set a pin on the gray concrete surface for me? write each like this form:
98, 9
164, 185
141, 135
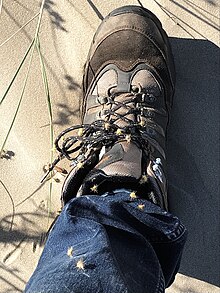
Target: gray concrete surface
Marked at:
193, 141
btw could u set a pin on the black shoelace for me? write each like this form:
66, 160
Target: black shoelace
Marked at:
90, 138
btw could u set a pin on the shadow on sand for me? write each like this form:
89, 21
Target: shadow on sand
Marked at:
193, 155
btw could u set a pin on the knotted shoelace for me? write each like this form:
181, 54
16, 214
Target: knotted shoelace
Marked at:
90, 138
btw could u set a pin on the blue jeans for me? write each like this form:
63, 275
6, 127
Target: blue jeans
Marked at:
110, 244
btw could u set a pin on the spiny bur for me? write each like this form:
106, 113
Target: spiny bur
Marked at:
70, 251
79, 165
94, 188
143, 179
141, 206
133, 195
80, 264
80, 132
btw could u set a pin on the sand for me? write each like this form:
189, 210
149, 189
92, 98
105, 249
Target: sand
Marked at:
193, 142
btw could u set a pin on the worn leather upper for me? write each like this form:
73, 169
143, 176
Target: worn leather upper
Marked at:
131, 52
127, 37
128, 88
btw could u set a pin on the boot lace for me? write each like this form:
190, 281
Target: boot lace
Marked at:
78, 143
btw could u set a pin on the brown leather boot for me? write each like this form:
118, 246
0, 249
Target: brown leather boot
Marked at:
128, 89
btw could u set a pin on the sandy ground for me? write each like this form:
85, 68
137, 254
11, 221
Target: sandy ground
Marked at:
193, 143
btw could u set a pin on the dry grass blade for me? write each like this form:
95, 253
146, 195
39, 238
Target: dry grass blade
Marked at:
39, 20
32, 194
30, 20
1, 4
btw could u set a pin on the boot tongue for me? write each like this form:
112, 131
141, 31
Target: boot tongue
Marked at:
123, 159
120, 167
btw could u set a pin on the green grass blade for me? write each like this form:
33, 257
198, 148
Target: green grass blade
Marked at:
19, 103
49, 106
34, 43
16, 73
46, 86
26, 77
47, 93
27, 52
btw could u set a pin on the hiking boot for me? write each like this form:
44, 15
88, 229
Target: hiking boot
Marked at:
128, 88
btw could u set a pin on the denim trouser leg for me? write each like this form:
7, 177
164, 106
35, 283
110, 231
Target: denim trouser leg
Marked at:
110, 244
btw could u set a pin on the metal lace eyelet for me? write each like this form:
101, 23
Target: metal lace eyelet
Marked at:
102, 114
151, 98
134, 89
102, 100
150, 113
111, 90
150, 131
